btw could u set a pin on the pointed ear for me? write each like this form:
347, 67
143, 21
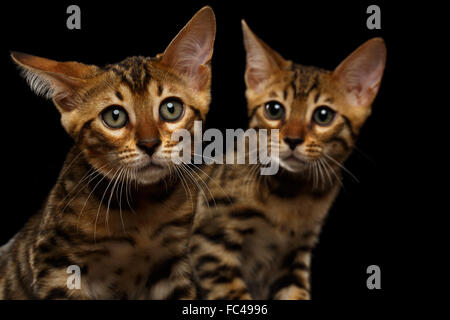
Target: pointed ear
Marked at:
190, 52
361, 72
262, 61
60, 81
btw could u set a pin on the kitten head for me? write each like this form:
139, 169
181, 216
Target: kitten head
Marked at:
319, 113
122, 115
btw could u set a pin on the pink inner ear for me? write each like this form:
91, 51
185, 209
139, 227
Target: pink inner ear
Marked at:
58, 80
190, 52
66, 91
362, 71
261, 65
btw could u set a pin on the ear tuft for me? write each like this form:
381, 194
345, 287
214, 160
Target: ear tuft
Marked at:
52, 79
190, 52
38, 84
361, 72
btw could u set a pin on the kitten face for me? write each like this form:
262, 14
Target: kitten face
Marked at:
307, 116
319, 113
129, 124
122, 116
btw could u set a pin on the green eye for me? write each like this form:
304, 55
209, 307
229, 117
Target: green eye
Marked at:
115, 117
171, 109
323, 115
274, 110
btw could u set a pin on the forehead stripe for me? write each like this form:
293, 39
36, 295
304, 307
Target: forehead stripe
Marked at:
160, 89
133, 71
316, 98
119, 95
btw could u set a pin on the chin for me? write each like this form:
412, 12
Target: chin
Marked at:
150, 174
294, 165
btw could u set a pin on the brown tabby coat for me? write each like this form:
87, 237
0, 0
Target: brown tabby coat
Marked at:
255, 239
117, 211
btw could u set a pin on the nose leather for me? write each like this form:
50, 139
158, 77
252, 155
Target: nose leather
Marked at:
149, 145
293, 142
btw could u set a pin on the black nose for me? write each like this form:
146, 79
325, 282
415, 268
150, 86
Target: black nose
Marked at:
149, 145
293, 142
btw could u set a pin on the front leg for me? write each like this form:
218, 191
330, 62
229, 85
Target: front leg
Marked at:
293, 282
215, 257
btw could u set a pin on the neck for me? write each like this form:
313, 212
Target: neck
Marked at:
286, 184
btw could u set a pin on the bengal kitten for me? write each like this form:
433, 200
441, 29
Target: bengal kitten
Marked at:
117, 211
255, 239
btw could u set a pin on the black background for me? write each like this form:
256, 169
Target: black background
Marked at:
366, 224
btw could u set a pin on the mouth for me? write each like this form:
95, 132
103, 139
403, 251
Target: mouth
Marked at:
150, 172
293, 158
293, 163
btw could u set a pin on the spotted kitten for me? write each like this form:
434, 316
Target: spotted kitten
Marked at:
255, 240
117, 211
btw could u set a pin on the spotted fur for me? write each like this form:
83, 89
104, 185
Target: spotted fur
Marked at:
120, 210
254, 241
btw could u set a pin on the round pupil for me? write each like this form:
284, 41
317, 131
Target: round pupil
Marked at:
323, 114
274, 108
170, 107
115, 114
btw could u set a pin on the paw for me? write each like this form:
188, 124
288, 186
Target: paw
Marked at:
293, 293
